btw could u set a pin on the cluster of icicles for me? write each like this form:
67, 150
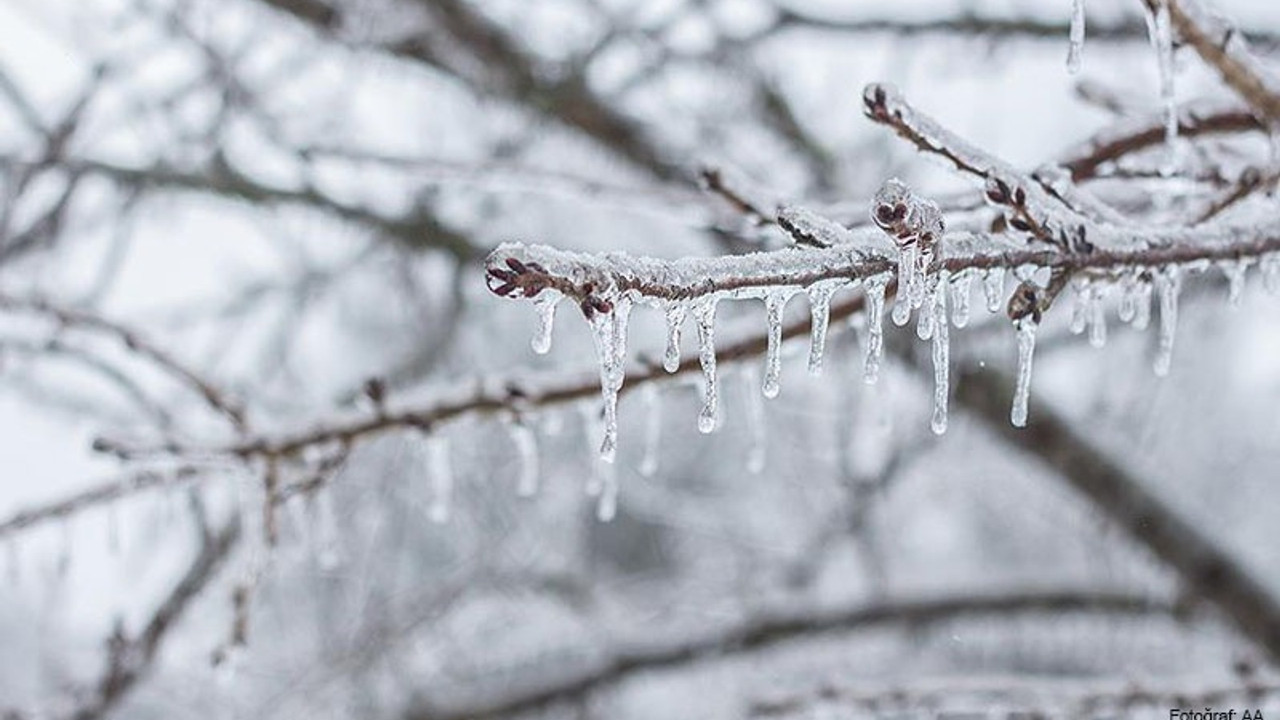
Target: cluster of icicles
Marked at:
941, 300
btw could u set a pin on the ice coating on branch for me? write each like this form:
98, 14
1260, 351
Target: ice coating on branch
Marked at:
1077, 36
775, 302
757, 431
1026, 329
440, 472
1235, 272
993, 288
1168, 285
675, 313
652, 400
809, 228
526, 444
916, 227
545, 304
941, 359
704, 314
820, 311
1160, 32
609, 331
961, 287
874, 287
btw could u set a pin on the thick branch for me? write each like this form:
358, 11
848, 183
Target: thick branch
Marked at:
1209, 572
768, 632
131, 658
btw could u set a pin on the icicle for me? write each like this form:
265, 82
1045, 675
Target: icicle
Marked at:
675, 320
875, 327
993, 288
960, 291
1026, 350
610, 333
1142, 315
526, 442
774, 304
925, 322
607, 502
440, 471
1128, 298
1160, 30
328, 547
653, 429
941, 357
755, 422
1271, 273
704, 313
906, 279
1168, 285
1080, 305
820, 308
1236, 272
545, 303
1097, 317
1077, 37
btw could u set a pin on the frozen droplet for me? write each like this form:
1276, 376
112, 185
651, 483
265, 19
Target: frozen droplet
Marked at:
704, 313
676, 312
526, 444
545, 304
1168, 285
993, 288
652, 400
1026, 328
755, 422
875, 327
775, 302
1128, 298
941, 358
1236, 272
820, 310
925, 322
440, 470
906, 278
961, 287
1076, 49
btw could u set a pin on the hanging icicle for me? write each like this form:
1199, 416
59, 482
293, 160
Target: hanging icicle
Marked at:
820, 309
993, 288
609, 330
1168, 285
941, 357
652, 400
1160, 32
775, 302
961, 288
1076, 49
704, 313
545, 305
676, 311
875, 287
526, 445
1026, 329
440, 470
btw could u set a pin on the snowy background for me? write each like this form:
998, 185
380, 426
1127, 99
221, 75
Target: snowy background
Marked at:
291, 209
